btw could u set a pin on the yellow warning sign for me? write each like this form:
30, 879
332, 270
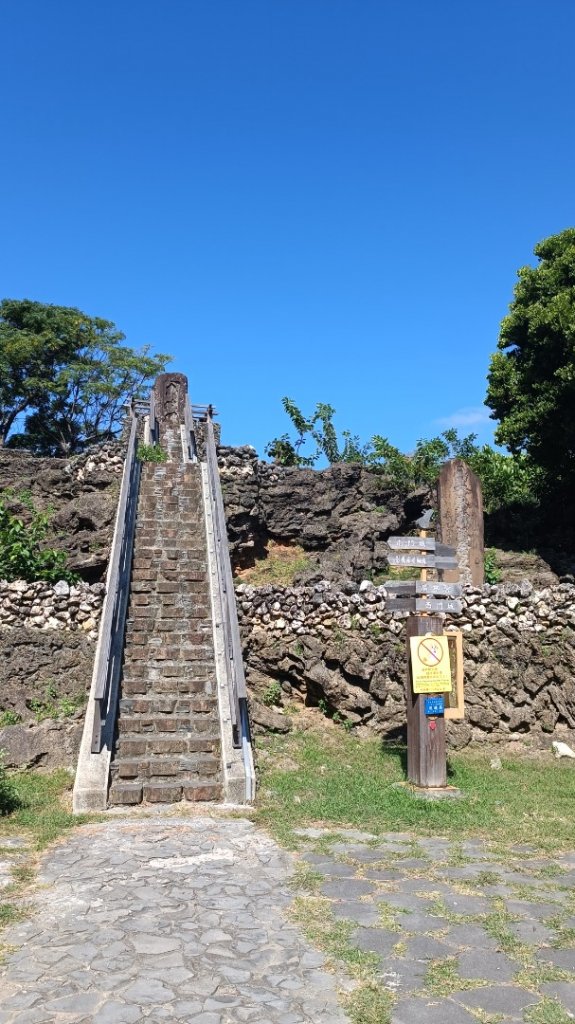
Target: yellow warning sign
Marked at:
430, 667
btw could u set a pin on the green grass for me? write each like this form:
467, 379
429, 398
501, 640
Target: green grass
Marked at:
281, 565
548, 1011
40, 815
443, 978
346, 781
369, 1003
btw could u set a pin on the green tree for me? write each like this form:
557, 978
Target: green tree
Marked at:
531, 382
70, 372
34, 341
320, 429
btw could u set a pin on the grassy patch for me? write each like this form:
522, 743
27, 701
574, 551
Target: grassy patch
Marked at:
55, 706
281, 565
369, 1003
443, 978
9, 914
42, 812
496, 924
305, 878
548, 1011
343, 780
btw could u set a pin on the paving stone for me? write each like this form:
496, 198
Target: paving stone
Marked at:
335, 869
155, 919
486, 966
471, 935
416, 922
401, 901
425, 947
401, 975
347, 889
458, 903
353, 910
116, 1012
375, 940
564, 958
533, 911
533, 932
383, 874
562, 990
421, 1011
507, 999
412, 863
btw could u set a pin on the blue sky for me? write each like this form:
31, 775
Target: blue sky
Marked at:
326, 199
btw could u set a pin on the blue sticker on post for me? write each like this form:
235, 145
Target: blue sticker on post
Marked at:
434, 705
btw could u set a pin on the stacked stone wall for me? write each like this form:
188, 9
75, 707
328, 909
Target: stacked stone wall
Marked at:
50, 606
341, 650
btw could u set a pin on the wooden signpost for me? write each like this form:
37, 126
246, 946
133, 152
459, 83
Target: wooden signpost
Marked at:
430, 660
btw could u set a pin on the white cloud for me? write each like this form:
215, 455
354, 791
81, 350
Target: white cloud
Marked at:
470, 417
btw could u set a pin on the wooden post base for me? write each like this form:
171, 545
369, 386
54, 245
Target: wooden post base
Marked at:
426, 755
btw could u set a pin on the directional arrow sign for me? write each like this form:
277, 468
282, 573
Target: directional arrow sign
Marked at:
425, 587
412, 543
423, 604
419, 561
444, 550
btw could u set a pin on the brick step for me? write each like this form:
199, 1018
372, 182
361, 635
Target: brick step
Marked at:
170, 551
175, 607
173, 688
183, 588
129, 793
155, 657
163, 574
203, 764
160, 704
147, 631
168, 725
142, 745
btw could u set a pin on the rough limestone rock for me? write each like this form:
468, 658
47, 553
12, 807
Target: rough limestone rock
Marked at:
83, 493
35, 661
48, 744
341, 516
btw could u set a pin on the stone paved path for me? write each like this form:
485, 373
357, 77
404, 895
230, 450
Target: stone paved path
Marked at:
184, 919
164, 919
460, 934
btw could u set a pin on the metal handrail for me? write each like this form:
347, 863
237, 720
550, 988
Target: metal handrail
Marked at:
191, 449
229, 615
112, 626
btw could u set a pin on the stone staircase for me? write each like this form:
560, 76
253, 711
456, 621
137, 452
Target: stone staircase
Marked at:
167, 745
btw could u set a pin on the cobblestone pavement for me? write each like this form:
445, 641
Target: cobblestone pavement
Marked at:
461, 933
13, 852
184, 919
155, 919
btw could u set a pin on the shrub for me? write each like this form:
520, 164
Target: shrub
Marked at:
151, 453
22, 556
8, 796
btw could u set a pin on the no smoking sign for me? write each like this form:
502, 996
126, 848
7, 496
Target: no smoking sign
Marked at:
430, 667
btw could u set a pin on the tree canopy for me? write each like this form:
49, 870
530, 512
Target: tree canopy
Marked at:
68, 373
506, 479
531, 382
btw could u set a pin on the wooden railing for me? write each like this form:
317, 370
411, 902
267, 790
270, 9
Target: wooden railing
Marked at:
108, 660
227, 597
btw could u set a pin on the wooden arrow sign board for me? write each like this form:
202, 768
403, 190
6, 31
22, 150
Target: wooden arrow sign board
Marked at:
420, 544
422, 561
423, 604
414, 543
409, 587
